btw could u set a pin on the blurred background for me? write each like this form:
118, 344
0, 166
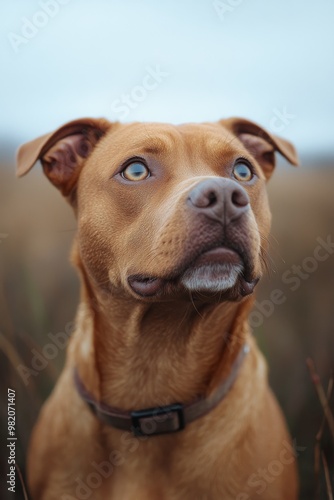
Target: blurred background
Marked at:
176, 61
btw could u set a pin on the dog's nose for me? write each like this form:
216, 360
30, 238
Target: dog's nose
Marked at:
219, 198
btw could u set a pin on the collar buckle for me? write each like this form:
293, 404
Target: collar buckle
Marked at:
160, 420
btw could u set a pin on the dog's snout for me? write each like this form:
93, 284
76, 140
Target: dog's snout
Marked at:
222, 198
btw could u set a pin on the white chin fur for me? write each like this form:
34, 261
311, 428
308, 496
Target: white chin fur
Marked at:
211, 278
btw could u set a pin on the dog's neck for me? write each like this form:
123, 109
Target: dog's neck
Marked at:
137, 365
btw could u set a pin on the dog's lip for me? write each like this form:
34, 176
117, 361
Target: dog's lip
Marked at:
247, 287
148, 286
219, 255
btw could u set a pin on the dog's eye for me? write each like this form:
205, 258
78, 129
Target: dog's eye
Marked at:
242, 172
136, 171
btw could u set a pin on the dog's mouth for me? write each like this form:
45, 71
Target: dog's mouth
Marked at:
146, 286
217, 270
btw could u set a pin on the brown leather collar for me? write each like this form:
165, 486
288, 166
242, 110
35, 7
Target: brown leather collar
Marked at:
162, 419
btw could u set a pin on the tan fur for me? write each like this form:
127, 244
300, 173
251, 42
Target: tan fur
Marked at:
134, 353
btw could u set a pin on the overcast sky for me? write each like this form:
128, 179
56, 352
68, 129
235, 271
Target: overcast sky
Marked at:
174, 61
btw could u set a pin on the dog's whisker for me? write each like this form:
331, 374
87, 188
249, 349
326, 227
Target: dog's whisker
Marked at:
193, 303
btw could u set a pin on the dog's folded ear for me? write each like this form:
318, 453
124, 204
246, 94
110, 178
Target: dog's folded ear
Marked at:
261, 144
63, 152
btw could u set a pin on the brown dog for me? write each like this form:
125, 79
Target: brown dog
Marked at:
158, 399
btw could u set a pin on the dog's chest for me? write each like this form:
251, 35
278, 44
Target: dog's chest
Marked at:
175, 467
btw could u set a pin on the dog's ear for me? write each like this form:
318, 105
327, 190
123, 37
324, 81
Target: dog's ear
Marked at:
63, 152
261, 144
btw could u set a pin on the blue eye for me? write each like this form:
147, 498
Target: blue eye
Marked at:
136, 171
242, 172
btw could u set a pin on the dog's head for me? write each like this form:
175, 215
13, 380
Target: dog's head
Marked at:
165, 210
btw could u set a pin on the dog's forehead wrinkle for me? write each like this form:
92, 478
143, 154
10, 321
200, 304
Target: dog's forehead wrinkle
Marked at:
159, 137
212, 144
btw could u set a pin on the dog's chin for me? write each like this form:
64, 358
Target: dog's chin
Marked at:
211, 278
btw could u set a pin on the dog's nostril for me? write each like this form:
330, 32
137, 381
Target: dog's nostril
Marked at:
212, 198
239, 198
203, 198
